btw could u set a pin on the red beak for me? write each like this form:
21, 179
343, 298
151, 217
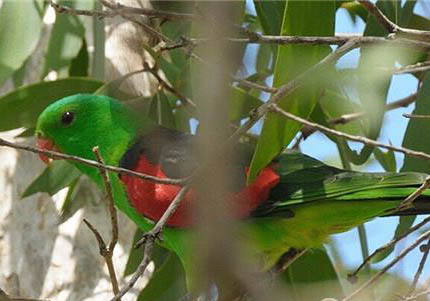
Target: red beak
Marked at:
45, 144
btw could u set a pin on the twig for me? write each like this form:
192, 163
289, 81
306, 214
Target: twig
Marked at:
148, 241
184, 99
416, 116
403, 102
166, 15
253, 85
402, 254
118, 9
380, 17
416, 296
291, 86
287, 259
418, 67
407, 203
107, 253
364, 140
120, 170
390, 244
425, 249
156, 231
390, 26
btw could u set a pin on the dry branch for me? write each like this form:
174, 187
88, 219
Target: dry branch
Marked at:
387, 246
403, 102
148, 242
360, 139
402, 254
107, 253
119, 170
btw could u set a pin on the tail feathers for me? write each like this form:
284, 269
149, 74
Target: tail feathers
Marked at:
421, 206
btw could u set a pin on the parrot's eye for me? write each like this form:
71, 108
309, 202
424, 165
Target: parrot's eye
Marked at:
67, 117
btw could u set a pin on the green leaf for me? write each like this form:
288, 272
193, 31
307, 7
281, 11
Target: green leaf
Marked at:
112, 88
20, 28
160, 255
242, 103
417, 135
386, 159
373, 78
161, 111
81, 192
405, 223
79, 65
22, 107
406, 13
66, 38
313, 277
55, 177
263, 57
334, 105
270, 14
300, 18
167, 282
354, 9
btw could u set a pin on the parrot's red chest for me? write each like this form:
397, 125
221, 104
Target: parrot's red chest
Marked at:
152, 199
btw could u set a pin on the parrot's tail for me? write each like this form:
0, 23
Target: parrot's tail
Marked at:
420, 206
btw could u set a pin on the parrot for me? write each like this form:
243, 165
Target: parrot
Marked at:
294, 202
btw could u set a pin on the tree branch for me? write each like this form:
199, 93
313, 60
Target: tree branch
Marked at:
360, 139
402, 254
390, 26
148, 242
425, 249
352, 276
120, 170
291, 86
107, 253
403, 102
117, 9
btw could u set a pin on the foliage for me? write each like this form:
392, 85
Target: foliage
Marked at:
337, 92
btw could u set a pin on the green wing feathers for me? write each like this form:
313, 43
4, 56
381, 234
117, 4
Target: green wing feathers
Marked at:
304, 179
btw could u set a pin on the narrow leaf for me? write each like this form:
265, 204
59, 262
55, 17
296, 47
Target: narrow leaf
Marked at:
300, 18
20, 28
22, 107
56, 176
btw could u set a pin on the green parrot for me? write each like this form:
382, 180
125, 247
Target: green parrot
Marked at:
296, 201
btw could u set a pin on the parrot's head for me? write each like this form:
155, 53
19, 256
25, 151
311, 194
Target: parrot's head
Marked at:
76, 124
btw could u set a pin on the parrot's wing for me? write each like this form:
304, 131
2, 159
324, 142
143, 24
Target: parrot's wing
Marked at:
304, 179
